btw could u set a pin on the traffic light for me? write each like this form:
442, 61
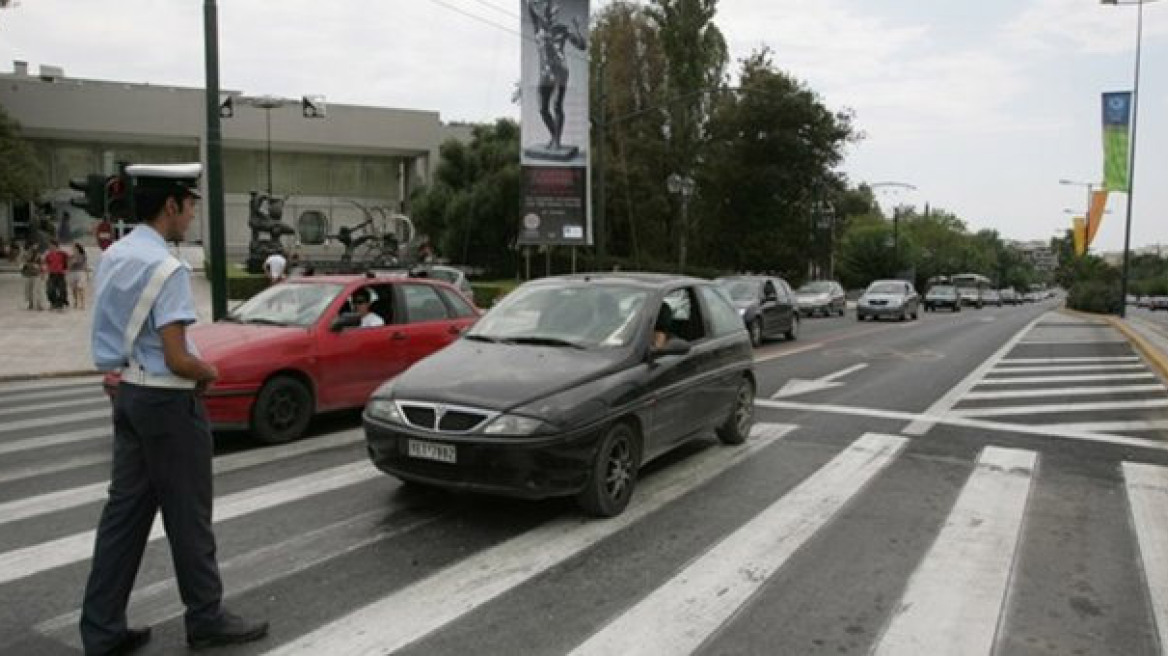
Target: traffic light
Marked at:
93, 188
118, 198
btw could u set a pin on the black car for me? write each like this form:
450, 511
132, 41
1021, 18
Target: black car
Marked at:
567, 387
767, 306
942, 296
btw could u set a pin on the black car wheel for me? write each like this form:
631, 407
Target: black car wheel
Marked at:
282, 411
793, 332
756, 332
741, 419
614, 474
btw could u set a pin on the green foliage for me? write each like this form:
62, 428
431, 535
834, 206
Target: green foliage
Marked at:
21, 176
1094, 286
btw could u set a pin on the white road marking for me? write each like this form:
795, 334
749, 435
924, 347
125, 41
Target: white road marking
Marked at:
955, 597
443, 597
796, 386
967, 422
29, 443
1082, 360
1147, 493
1079, 406
1082, 378
78, 496
783, 354
18, 386
950, 399
679, 616
159, 602
42, 469
79, 394
1063, 391
52, 405
1074, 367
1113, 426
1047, 342
28, 561
56, 420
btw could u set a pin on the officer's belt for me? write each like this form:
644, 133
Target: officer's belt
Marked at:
135, 374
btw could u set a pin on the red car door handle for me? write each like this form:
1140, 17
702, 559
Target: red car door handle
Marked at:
398, 336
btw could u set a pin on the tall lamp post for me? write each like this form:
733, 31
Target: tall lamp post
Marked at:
1131, 166
683, 186
896, 186
268, 103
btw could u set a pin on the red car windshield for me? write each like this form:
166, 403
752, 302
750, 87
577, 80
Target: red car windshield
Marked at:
287, 304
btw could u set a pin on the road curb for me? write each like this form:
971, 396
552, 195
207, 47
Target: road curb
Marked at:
16, 378
1152, 355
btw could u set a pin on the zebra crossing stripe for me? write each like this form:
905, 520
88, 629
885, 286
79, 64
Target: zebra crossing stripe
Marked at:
21, 386
77, 394
1105, 358
36, 471
30, 443
1063, 407
28, 561
1063, 391
437, 600
52, 405
955, 597
681, 614
1147, 494
57, 420
44, 504
1075, 367
1081, 378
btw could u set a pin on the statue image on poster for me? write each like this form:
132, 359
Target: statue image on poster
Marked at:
555, 79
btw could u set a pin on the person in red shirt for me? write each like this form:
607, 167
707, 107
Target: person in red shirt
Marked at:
104, 232
57, 264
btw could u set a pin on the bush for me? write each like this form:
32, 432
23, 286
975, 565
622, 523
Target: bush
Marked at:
1095, 296
487, 294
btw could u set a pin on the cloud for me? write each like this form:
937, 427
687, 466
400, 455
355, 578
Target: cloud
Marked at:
1059, 27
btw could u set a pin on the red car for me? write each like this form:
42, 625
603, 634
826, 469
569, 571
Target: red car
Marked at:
299, 348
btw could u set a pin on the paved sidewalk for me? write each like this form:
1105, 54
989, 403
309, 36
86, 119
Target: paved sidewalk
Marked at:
56, 343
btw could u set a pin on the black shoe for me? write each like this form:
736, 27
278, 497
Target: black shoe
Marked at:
132, 640
227, 630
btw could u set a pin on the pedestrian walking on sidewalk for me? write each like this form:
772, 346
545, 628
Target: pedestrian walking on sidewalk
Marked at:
33, 272
78, 275
162, 439
57, 265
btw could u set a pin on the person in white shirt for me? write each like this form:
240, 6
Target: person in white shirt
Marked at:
274, 267
362, 303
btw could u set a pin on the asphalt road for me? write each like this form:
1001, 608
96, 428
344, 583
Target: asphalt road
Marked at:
987, 481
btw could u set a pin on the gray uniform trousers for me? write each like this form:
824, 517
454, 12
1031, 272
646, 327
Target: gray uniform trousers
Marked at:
162, 460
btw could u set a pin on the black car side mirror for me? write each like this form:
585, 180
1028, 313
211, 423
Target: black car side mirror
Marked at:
347, 320
672, 346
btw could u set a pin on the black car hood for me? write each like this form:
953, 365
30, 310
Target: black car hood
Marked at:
503, 376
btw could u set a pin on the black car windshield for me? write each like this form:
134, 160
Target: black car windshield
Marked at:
740, 290
815, 288
886, 288
581, 315
287, 304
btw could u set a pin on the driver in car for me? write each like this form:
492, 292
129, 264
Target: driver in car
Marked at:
361, 305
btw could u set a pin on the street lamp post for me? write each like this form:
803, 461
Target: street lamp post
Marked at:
1091, 187
683, 186
268, 103
895, 219
1131, 159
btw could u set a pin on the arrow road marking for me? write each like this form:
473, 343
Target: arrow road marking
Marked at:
800, 386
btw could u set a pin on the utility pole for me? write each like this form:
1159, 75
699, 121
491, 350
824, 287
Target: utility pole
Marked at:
214, 142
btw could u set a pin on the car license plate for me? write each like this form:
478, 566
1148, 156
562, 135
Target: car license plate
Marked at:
431, 451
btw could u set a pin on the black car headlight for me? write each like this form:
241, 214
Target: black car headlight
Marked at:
508, 424
385, 410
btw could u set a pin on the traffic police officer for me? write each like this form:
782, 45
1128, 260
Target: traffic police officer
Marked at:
162, 439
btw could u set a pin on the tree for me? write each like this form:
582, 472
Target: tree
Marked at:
21, 176
471, 209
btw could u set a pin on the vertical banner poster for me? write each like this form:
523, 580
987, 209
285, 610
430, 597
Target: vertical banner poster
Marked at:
1095, 213
555, 123
1116, 139
1079, 233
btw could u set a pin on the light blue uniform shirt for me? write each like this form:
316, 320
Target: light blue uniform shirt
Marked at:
122, 274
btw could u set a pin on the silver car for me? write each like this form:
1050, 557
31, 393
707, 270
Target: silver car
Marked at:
824, 297
889, 298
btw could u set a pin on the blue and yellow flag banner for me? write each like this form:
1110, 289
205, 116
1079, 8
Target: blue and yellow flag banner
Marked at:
1116, 131
1079, 231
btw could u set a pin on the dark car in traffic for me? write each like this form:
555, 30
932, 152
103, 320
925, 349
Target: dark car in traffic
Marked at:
767, 306
568, 387
942, 296
824, 297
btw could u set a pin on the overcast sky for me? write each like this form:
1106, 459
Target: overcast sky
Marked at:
982, 105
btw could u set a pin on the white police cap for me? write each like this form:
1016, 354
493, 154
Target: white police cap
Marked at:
184, 177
